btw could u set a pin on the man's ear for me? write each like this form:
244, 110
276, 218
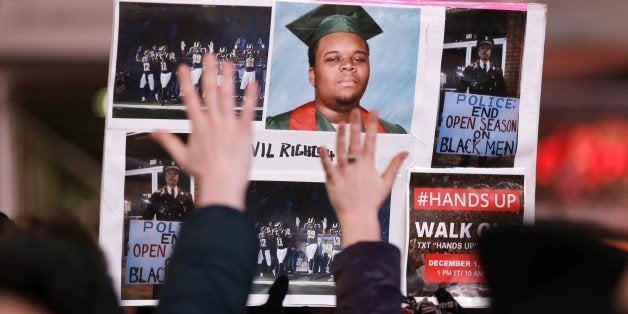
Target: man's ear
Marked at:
312, 76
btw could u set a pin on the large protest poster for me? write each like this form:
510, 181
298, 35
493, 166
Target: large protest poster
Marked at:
446, 215
413, 85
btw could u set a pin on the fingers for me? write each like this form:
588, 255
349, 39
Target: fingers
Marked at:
371, 136
173, 146
330, 170
355, 145
190, 98
393, 167
209, 84
251, 94
341, 146
226, 92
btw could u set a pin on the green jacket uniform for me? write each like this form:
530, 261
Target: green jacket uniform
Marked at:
307, 118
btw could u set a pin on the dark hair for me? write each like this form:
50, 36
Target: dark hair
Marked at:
7, 226
56, 264
311, 52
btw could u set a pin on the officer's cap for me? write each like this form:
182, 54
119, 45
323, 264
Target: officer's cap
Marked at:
171, 166
327, 18
485, 40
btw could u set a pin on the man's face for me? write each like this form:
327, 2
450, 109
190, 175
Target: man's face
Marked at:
341, 71
172, 178
484, 52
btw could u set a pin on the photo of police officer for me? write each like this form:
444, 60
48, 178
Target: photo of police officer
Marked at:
157, 192
170, 202
483, 77
482, 55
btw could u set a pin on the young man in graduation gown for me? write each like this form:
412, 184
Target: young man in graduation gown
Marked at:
339, 69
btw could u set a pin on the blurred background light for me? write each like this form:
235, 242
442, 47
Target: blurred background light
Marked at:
99, 102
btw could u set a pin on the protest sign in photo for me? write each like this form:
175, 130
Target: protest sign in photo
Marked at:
478, 119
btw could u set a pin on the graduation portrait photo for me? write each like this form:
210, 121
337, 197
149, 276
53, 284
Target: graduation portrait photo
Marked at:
328, 59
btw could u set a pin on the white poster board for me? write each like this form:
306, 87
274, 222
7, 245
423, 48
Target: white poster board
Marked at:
419, 67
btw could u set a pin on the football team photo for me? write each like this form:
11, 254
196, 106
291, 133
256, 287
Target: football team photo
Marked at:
299, 235
153, 39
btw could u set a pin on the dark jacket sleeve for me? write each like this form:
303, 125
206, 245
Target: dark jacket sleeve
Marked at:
211, 269
149, 211
368, 276
465, 81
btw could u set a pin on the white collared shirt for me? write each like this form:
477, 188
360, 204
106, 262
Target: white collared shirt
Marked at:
487, 64
176, 191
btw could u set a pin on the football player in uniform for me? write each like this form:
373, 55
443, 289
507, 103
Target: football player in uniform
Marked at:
166, 66
248, 77
336, 234
260, 48
236, 44
260, 73
264, 251
147, 61
170, 202
174, 82
283, 239
321, 258
311, 235
234, 55
221, 58
196, 53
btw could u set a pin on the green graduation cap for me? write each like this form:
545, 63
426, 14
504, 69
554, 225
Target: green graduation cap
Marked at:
328, 18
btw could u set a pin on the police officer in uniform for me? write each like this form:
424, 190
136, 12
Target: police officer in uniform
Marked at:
483, 77
169, 202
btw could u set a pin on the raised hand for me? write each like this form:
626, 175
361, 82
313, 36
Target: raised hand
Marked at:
355, 189
218, 151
